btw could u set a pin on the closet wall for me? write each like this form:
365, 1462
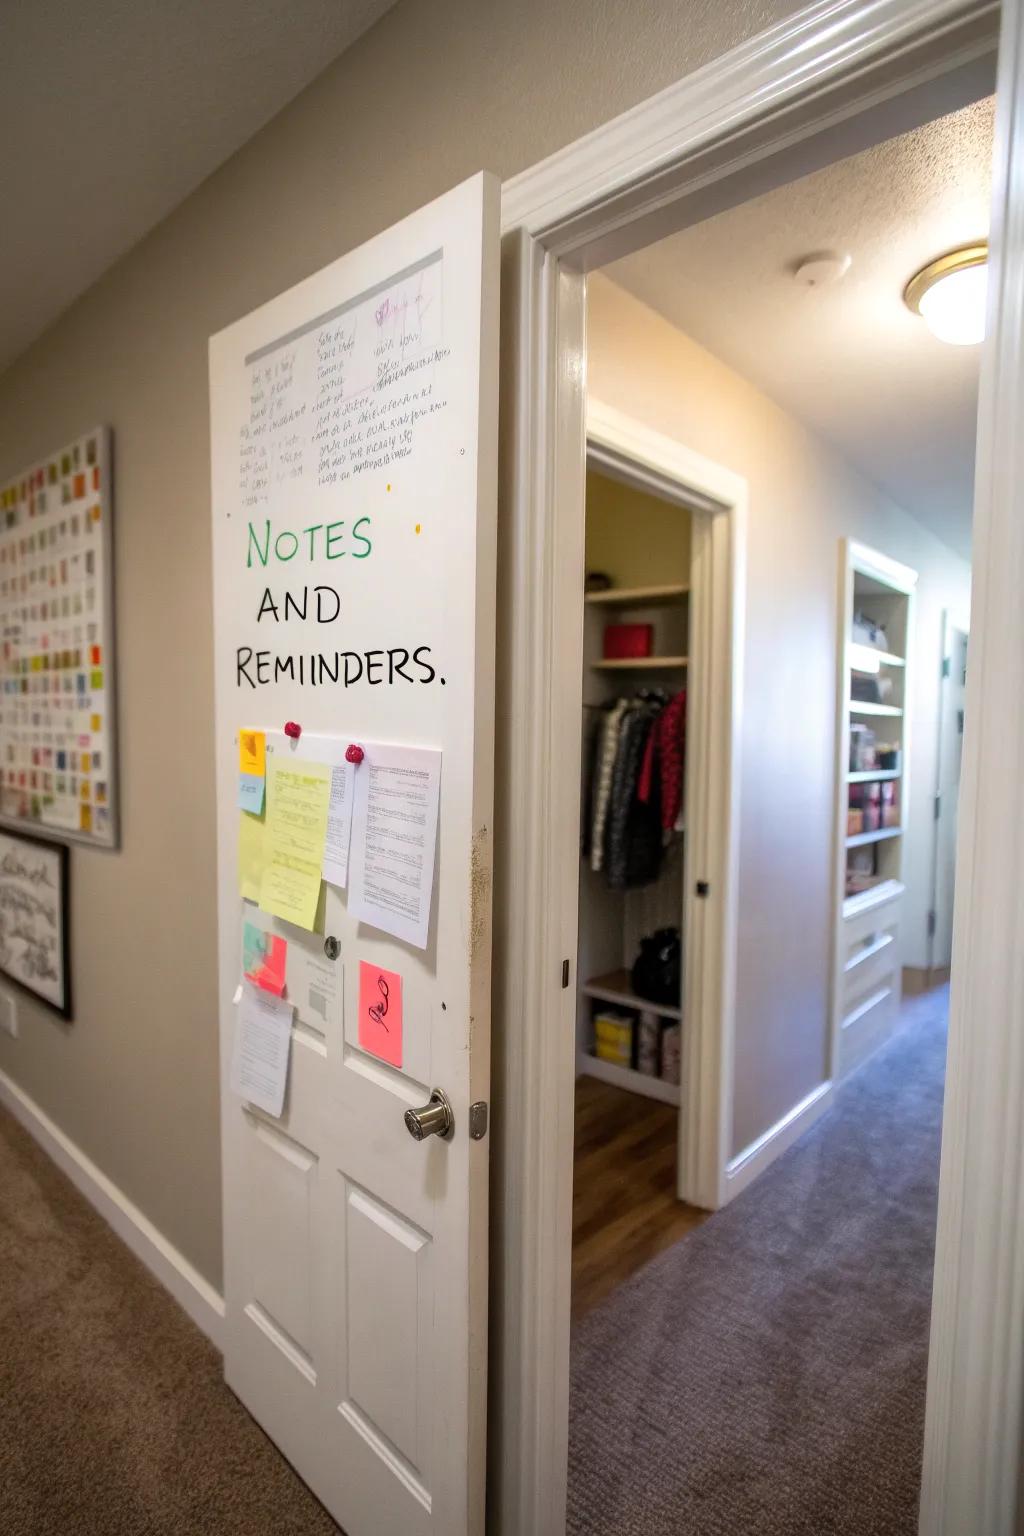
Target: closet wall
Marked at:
803, 499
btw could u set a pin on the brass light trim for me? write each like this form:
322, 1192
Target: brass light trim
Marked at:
954, 261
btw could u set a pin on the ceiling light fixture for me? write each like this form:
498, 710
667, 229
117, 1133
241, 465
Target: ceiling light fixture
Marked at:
949, 295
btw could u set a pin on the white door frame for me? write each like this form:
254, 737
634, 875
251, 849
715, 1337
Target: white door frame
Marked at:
631, 451
953, 625
711, 140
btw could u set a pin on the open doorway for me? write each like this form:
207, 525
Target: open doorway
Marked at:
774, 339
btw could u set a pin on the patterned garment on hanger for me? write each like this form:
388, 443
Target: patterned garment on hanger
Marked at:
603, 772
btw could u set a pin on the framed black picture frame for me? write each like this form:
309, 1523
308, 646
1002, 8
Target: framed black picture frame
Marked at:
35, 940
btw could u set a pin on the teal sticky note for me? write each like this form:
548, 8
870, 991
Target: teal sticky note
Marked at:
250, 793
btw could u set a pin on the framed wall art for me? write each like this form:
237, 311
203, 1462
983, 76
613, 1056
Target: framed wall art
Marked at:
34, 941
57, 725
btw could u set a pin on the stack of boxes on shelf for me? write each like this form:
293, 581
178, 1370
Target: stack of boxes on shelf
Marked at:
639, 1040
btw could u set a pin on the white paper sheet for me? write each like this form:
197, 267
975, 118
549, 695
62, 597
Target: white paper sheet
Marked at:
339, 826
394, 836
263, 1037
314, 986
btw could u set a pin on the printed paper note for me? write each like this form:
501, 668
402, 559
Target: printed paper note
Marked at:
252, 770
264, 957
339, 825
380, 1012
251, 844
259, 1070
394, 833
314, 986
297, 800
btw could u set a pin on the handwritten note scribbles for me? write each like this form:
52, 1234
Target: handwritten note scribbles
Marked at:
263, 1037
252, 842
380, 1013
375, 360
252, 770
298, 797
394, 836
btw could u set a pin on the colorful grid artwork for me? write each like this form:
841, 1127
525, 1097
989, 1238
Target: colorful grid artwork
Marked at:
57, 765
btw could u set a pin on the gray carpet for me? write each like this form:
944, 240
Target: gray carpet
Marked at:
766, 1376
114, 1420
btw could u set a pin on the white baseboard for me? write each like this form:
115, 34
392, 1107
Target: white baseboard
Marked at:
753, 1160
204, 1305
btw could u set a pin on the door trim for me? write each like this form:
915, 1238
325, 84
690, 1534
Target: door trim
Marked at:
973, 1425
723, 134
633, 452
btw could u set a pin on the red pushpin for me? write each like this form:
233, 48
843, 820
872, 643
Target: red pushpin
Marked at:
292, 730
354, 754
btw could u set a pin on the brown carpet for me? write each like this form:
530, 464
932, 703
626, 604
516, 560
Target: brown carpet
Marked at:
114, 1420
766, 1376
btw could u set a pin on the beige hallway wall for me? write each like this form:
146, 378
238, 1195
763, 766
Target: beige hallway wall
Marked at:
439, 89
803, 498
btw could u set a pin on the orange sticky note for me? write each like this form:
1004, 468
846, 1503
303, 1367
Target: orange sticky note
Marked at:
380, 1013
252, 752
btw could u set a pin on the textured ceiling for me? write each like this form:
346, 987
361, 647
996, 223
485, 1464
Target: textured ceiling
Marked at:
113, 111
850, 360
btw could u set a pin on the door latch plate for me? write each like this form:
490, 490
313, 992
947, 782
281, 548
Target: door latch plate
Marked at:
478, 1120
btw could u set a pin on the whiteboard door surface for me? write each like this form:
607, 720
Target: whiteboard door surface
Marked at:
354, 443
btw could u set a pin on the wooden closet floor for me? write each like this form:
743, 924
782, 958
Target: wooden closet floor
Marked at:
624, 1206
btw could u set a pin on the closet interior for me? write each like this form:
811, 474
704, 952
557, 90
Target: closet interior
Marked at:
629, 1019
631, 941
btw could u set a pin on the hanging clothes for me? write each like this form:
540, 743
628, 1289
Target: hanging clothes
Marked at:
665, 761
603, 772
636, 787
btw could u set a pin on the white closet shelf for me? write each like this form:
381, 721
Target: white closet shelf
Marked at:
641, 663
874, 896
862, 839
614, 987
626, 1077
873, 775
878, 659
859, 707
638, 597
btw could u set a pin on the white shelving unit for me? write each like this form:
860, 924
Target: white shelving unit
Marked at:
870, 859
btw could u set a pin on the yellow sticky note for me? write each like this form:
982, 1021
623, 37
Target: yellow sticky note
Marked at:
251, 855
252, 752
298, 796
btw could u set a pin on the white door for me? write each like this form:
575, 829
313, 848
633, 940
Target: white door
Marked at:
354, 441
951, 747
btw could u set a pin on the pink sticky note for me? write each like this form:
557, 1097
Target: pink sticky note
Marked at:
264, 958
380, 1013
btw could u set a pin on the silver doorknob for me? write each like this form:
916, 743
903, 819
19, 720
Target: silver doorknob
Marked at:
434, 1119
